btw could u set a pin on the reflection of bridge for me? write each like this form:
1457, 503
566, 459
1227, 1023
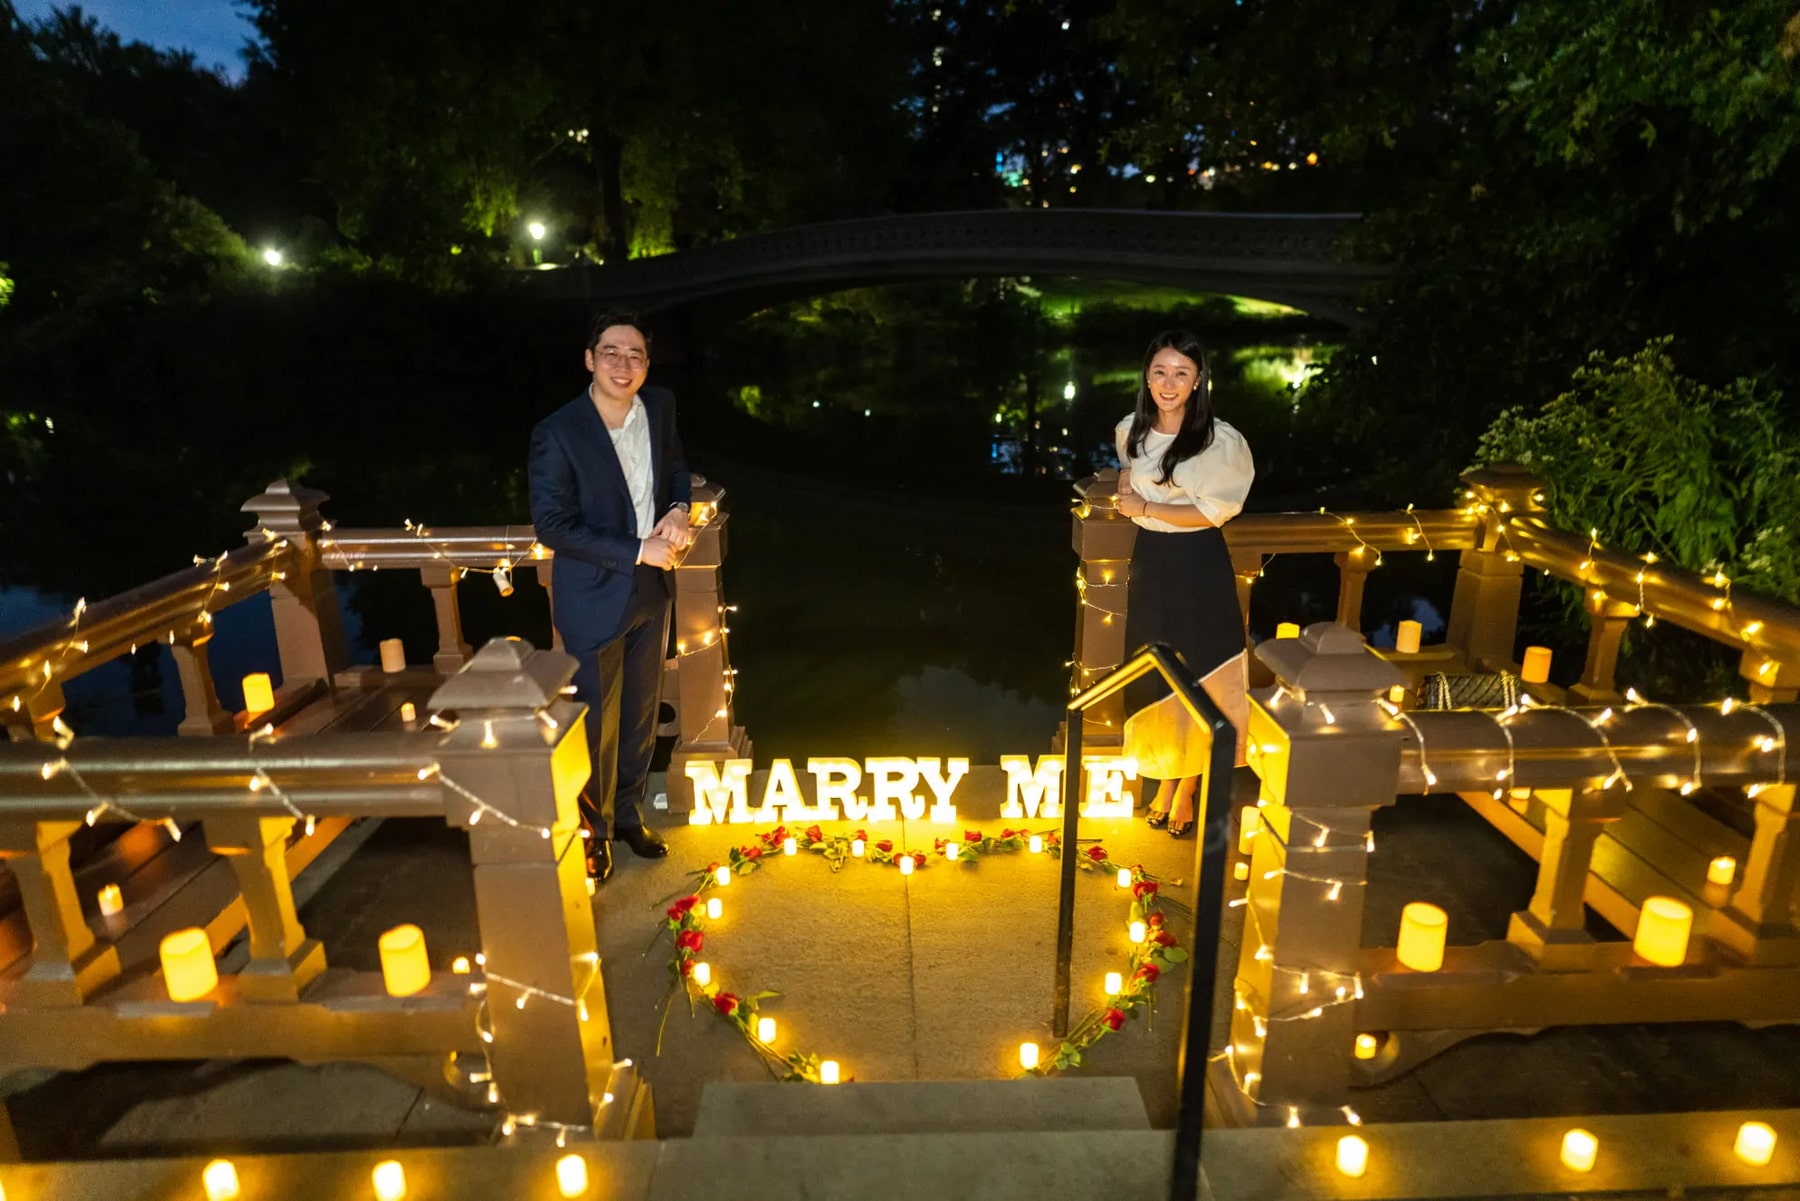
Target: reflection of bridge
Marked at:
1288, 258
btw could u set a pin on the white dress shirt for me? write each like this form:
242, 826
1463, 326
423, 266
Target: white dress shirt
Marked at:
1216, 481
632, 442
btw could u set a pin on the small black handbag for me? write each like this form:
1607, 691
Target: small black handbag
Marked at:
1488, 691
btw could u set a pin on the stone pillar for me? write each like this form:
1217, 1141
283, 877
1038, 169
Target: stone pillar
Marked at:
1610, 618
283, 960
67, 963
1553, 929
452, 651
1328, 756
702, 688
553, 1056
204, 713
309, 627
1759, 922
1484, 609
1103, 541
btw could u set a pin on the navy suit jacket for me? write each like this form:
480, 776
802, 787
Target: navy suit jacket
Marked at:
581, 509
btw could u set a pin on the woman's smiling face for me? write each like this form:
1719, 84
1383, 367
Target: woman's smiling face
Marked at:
1171, 377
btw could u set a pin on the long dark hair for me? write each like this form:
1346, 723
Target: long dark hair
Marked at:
1196, 432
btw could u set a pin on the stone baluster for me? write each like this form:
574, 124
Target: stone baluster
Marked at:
1353, 574
1553, 929
697, 682
1103, 542
1758, 924
67, 964
552, 1056
283, 960
452, 652
205, 716
1610, 618
1328, 757
309, 627
1484, 609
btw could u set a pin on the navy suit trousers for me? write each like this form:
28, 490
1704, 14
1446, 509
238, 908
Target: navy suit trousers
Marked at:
621, 682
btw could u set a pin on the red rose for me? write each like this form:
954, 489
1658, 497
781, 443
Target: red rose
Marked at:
778, 834
1097, 854
1155, 920
680, 908
1148, 971
690, 940
885, 845
862, 834
938, 845
1164, 939
725, 1003
971, 835
814, 834
687, 967
753, 852
1115, 1018
1143, 888
1008, 832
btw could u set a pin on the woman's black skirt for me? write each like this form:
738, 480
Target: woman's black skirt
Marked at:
1182, 593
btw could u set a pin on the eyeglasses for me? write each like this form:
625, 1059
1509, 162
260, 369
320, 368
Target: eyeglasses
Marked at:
614, 357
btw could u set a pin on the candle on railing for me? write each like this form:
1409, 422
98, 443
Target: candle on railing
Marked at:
1662, 931
1240, 870
1755, 1144
1579, 1149
1352, 1155
1366, 1046
714, 907
259, 694
1423, 929
1722, 870
571, 1176
112, 901
1248, 823
1288, 629
1028, 1055
1536, 668
1406, 637
220, 1180
409, 712
828, 1071
393, 654
390, 1180
405, 969
189, 972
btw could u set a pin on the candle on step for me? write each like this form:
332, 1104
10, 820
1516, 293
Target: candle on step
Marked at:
1136, 931
906, 865
1115, 984
220, 1179
1662, 931
1722, 870
460, 965
1124, 877
189, 972
765, 1030
1536, 668
1028, 1055
1755, 1143
405, 969
1422, 932
1579, 1148
393, 656
390, 1180
714, 907
1036, 845
790, 846
1366, 1046
952, 849
259, 695
1406, 637
571, 1176
409, 712
112, 901
1352, 1155
858, 846
1288, 629
702, 973
1240, 870
828, 1071
1248, 823
722, 876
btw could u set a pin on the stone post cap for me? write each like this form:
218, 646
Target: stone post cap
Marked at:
1507, 488
288, 508
1100, 490
507, 673
1330, 661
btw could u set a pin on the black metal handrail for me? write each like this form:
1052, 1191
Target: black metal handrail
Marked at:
1209, 890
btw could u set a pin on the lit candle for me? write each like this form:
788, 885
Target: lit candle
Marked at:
1755, 1143
1240, 870
220, 1180
702, 973
906, 865
1136, 930
571, 1176
765, 1030
1536, 668
460, 965
828, 1072
1288, 629
857, 847
1124, 877
722, 877
714, 907
112, 901
187, 963
1397, 694
952, 849
1115, 984
405, 969
1662, 931
390, 1180
1722, 870
1036, 845
1406, 637
1422, 931
409, 712
1248, 824
1352, 1155
1028, 1055
790, 846
393, 658
259, 695
1579, 1149
1366, 1046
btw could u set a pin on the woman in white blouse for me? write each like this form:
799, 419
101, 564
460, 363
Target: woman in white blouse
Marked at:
1183, 474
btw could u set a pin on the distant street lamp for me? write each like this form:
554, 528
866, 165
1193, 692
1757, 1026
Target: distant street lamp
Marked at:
272, 256
1069, 390
537, 231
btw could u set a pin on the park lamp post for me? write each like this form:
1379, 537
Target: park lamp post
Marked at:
537, 231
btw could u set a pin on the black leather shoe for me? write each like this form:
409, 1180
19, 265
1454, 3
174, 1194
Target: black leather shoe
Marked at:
644, 842
599, 860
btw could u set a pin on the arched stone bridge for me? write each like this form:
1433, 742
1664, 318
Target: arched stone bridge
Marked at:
1286, 258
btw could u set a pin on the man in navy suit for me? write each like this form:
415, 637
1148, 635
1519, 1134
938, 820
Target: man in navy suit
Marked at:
609, 494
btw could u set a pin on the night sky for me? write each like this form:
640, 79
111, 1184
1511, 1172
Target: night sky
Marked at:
215, 30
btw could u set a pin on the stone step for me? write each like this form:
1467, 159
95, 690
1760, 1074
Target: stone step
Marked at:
922, 1107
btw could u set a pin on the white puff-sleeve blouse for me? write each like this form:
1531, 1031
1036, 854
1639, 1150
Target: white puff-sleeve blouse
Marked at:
1216, 481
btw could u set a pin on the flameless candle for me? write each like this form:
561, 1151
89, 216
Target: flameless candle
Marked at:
460, 965
259, 696
1397, 694
906, 865
1352, 1155
187, 963
404, 968
1406, 637
1722, 870
571, 1176
1036, 845
1240, 870
1287, 629
723, 876
112, 901
789, 846
714, 907
1028, 1055
1422, 931
1536, 668
1579, 1149
828, 1072
220, 1180
1115, 984
393, 658
1662, 931
1248, 824
409, 712
390, 1180
1755, 1144
702, 973
857, 847
765, 1029
1124, 877
1136, 931
1366, 1046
